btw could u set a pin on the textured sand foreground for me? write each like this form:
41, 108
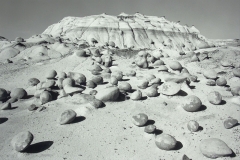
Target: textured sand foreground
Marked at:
108, 132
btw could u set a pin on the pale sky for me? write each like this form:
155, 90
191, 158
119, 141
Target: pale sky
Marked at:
216, 19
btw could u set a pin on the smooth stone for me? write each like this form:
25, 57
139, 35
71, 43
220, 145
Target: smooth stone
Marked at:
141, 62
136, 95
33, 81
230, 123
81, 53
151, 92
32, 107
6, 106
175, 65
142, 84
48, 84
169, 88
118, 75
210, 74
21, 141
18, 93
140, 119
154, 81
62, 75
79, 78
194, 58
113, 80
96, 67
191, 103
214, 148
214, 97
149, 77
193, 78
142, 54
211, 82
71, 90
236, 72
226, 63
162, 68
97, 79
235, 91
51, 74
68, 81
150, 128
67, 117
108, 94
3, 94
90, 84
45, 97
130, 73
184, 157
221, 81
124, 86
193, 126
38, 93
158, 63
165, 142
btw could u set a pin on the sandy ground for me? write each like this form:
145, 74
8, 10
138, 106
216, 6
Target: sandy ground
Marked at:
108, 133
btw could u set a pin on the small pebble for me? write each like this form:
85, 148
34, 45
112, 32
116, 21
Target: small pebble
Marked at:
165, 142
214, 97
230, 123
150, 128
193, 126
32, 107
140, 119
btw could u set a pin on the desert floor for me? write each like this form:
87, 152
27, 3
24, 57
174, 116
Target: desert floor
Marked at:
108, 133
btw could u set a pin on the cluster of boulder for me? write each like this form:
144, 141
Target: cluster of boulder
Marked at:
173, 76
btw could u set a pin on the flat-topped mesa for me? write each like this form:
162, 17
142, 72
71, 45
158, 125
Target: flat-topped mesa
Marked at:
137, 30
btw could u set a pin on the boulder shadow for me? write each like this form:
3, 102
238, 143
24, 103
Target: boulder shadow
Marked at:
158, 132
28, 97
182, 93
54, 95
200, 128
202, 108
191, 87
12, 108
178, 146
223, 102
233, 154
149, 122
39, 147
3, 120
125, 79
144, 98
78, 119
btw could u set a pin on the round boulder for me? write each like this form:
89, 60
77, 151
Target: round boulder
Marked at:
18, 93
151, 92
191, 103
22, 140
140, 119
165, 142
150, 128
136, 95
67, 116
230, 122
214, 97
236, 72
124, 86
221, 81
169, 88
175, 65
193, 126
214, 148
108, 94
45, 97
210, 74
33, 81
51, 74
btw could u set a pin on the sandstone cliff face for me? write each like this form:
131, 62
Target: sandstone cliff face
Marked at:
138, 31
